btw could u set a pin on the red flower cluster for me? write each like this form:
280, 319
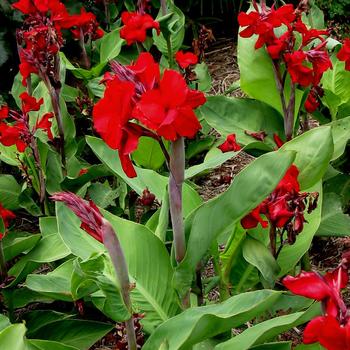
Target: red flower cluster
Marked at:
305, 66
333, 329
344, 54
6, 215
87, 211
185, 59
162, 104
19, 133
136, 26
230, 144
40, 38
284, 208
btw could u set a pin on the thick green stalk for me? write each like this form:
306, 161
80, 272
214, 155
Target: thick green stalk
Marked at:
176, 179
112, 244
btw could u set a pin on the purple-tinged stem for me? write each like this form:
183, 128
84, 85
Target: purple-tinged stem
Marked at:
84, 56
272, 235
176, 179
289, 120
42, 186
112, 244
163, 7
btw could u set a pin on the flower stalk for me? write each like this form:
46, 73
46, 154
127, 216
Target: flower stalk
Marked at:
112, 244
3, 267
176, 179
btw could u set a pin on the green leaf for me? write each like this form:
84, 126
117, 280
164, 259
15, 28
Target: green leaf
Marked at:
36, 344
18, 242
230, 115
155, 182
258, 180
149, 154
55, 284
203, 77
111, 45
267, 330
173, 27
314, 150
12, 337
102, 194
9, 192
291, 254
4, 322
9, 155
257, 254
274, 346
96, 274
69, 93
341, 136
81, 334
197, 324
334, 222
257, 77
310, 347
147, 258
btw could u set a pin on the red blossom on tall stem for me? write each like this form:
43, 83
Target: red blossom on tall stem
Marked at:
284, 209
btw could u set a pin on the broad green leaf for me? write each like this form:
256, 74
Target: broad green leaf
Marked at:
173, 27
230, 115
155, 182
18, 242
257, 254
80, 334
4, 322
208, 164
147, 258
96, 274
315, 346
9, 192
9, 155
149, 154
341, 136
257, 76
12, 337
102, 194
267, 330
291, 254
50, 248
258, 180
35, 344
197, 324
334, 222
314, 150
111, 44
55, 284
69, 93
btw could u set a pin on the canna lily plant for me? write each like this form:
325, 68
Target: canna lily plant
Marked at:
107, 235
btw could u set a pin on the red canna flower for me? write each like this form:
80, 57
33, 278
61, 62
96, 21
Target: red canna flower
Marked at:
90, 216
45, 124
14, 135
333, 329
4, 112
284, 207
311, 103
6, 215
30, 103
111, 117
278, 46
308, 35
344, 54
299, 73
279, 143
168, 109
185, 59
136, 26
230, 144
85, 25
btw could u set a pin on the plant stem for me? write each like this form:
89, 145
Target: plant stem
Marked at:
280, 87
55, 99
84, 56
163, 7
273, 240
107, 14
3, 267
176, 179
42, 186
289, 121
112, 244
